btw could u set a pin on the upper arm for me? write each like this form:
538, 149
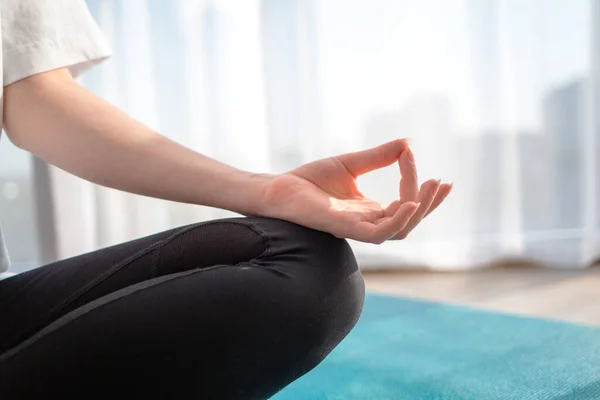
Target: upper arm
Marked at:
44, 42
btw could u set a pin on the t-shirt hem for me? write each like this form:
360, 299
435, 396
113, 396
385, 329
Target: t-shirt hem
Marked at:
78, 54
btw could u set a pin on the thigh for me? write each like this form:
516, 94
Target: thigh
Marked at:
241, 330
31, 300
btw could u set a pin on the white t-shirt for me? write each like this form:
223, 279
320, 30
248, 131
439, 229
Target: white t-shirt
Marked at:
42, 35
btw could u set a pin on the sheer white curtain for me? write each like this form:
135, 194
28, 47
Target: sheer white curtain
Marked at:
499, 96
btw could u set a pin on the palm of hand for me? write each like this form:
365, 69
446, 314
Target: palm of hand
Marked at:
330, 178
323, 195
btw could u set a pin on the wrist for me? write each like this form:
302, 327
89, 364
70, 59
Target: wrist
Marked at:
256, 185
244, 193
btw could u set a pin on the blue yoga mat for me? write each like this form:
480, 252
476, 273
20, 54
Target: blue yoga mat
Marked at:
405, 349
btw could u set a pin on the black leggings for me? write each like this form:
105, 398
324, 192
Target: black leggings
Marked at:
228, 309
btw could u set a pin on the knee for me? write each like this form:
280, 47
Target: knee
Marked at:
307, 252
338, 305
337, 312
327, 284
339, 287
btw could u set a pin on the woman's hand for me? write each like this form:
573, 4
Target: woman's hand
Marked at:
323, 195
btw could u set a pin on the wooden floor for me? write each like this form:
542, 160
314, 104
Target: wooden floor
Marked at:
558, 294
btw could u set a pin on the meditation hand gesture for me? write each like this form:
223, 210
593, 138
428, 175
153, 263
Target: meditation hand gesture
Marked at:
323, 195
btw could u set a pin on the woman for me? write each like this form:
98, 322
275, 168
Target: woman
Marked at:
229, 309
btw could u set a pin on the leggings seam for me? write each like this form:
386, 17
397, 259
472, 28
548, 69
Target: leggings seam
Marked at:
84, 289
32, 339
268, 249
154, 262
154, 267
115, 268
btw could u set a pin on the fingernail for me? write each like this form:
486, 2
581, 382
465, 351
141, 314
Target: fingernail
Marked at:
439, 181
451, 184
410, 156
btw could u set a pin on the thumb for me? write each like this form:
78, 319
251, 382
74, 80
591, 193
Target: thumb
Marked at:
364, 161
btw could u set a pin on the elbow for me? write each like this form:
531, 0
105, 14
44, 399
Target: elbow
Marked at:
25, 105
17, 140
17, 116
20, 138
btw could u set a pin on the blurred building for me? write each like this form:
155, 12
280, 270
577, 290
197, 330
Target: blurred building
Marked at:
480, 159
563, 122
537, 185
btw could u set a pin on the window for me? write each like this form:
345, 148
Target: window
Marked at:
18, 210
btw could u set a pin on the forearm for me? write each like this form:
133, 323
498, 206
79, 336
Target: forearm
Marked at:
67, 126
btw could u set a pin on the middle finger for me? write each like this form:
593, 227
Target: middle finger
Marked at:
426, 195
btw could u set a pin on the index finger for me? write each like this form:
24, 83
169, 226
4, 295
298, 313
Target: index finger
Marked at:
409, 183
364, 161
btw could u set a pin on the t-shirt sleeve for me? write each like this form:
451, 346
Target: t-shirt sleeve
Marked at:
42, 35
